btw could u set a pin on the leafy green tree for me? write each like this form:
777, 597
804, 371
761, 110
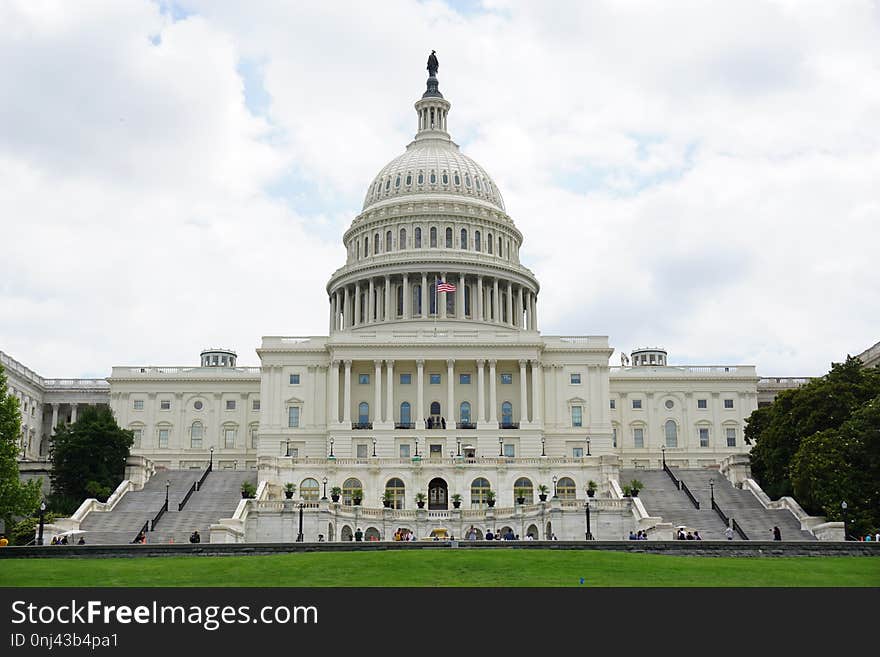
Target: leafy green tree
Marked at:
88, 458
824, 403
16, 498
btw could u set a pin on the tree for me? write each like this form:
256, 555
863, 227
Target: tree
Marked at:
88, 458
824, 403
16, 498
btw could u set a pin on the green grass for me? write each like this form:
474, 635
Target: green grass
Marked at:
445, 568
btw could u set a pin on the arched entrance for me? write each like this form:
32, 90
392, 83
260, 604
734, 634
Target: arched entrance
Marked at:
533, 531
372, 534
345, 534
438, 492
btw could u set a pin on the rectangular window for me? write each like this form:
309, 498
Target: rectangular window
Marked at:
613, 404
294, 379
435, 379
230, 404
728, 403
464, 379
704, 437
509, 450
163, 438
165, 405
138, 404
404, 451
255, 404
614, 437
138, 437
701, 403
575, 379
506, 378
294, 452
362, 451
577, 452
637, 403
577, 416
405, 379
436, 451
364, 379
254, 439
638, 437
229, 438
731, 437
293, 417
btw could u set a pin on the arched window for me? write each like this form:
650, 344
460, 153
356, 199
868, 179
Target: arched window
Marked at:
349, 486
489, 242
435, 408
417, 299
401, 242
376, 244
465, 413
467, 179
507, 413
457, 179
405, 414
196, 433
366, 247
448, 238
467, 300
500, 252
418, 244
479, 488
565, 489
445, 178
400, 300
671, 434
464, 238
433, 237
408, 179
309, 490
522, 487
398, 492
388, 184
359, 250
397, 181
421, 177
363, 413
477, 244
388, 241
433, 177
432, 298
479, 186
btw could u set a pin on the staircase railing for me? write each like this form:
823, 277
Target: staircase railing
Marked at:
687, 491
739, 530
159, 515
668, 471
182, 503
143, 530
730, 522
204, 476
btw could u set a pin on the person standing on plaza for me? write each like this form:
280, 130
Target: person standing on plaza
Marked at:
777, 534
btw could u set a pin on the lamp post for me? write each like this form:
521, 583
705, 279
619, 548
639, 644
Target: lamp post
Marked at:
543, 453
324, 481
663, 453
588, 446
458, 443
42, 517
167, 486
500, 446
712, 492
843, 507
589, 533
554, 487
211, 462
374, 448
299, 537
417, 447
287, 452
331, 448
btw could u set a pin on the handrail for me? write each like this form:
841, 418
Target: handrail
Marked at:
143, 530
668, 471
182, 503
204, 476
730, 522
159, 515
688, 492
739, 530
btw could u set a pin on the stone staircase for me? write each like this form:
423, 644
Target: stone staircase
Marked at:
661, 497
756, 521
122, 524
217, 498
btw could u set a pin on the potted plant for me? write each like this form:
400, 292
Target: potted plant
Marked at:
635, 486
520, 496
357, 496
627, 491
248, 490
335, 492
542, 492
490, 498
456, 500
387, 498
591, 488
289, 490
420, 500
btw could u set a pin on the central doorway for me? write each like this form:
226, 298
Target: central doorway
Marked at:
437, 495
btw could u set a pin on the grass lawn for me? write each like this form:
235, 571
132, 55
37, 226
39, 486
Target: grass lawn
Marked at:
445, 568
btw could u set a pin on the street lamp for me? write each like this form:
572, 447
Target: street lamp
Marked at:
843, 507
287, 453
543, 453
588, 446
554, 487
500, 446
589, 533
663, 452
374, 448
42, 517
299, 537
417, 446
458, 443
211, 462
331, 447
712, 492
324, 481
167, 486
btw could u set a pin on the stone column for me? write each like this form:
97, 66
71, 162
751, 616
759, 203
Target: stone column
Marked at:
389, 402
441, 300
387, 314
332, 312
510, 304
73, 413
371, 303
534, 312
346, 400
425, 307
333, 377
493, 394
481, 391
450, 393
517, 319
377, 391
479, 295
55, 416
523, 393
420, 397
536, 392
357, 305
496, 302
407, 298
346, 312
459, 298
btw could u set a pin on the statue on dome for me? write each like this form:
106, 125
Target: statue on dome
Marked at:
433, 64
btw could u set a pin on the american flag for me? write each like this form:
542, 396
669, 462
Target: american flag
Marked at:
443, 286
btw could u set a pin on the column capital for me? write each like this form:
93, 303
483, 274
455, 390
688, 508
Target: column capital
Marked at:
492, 362
535, 362
334, 363
347, 363
522, 363
389, 362
481, 362
420, 362
450, 362
377, 362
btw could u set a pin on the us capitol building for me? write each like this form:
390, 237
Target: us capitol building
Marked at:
434, 379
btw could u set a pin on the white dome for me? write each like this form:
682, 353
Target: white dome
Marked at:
453, 173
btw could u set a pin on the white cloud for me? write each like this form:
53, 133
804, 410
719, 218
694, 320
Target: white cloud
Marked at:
716, 163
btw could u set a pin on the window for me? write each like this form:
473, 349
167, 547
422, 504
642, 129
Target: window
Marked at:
405, 413
405, 379
293, 417
565, 489
388, 241
435, 451
254, 438
479, 488
464, 379
408, 179
309, 489
577, 416
448, 238
255, 405
575, 379
489, 242
349, 486
577, 452
433, 177
433, 237
198, 405
614, 437
138, 404
364, 379
401, 242
523, 487
376, 244
404, 451
467, 179
229, 438
638, 437
669, 404
507, 413
294, 379
445, 178
163, 438
704, 436
421, 177
613, 404
361, 451
477, 240
701, 403
671, 434
230, 404
138, 437
418, 238
465, 412
196, 432
165, 405
398, 492
464, 238
637, 403
728, 403
435, 379
435, 408
507, 378
400, 300
363, 413
457, 178
731, 437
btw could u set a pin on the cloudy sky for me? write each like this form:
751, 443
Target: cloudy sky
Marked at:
699, 175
